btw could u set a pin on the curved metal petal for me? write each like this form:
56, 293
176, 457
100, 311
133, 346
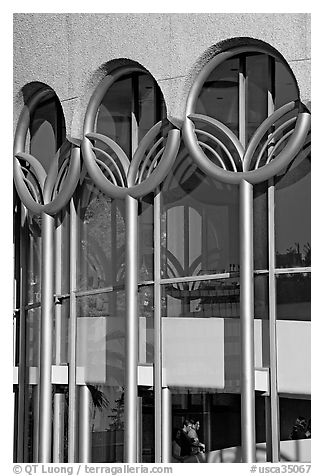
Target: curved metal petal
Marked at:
114, 146
291, 149
23, 191
96, 174
162, 169
262, 129
221, 127
140, 151
68, 186
37, 166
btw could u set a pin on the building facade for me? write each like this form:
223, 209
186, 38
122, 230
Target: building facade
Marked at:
162, 236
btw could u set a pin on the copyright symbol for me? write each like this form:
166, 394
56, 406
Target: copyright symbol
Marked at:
17, 469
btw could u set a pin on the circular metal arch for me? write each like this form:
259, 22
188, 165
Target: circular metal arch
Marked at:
46, 181
158, 173
292, 148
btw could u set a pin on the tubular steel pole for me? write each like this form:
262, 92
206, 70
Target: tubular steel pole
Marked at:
157, 329
274, 400
247, 323
84, 428
166, 425
47, 311
131, 349
22, 378
58, 420
72, 424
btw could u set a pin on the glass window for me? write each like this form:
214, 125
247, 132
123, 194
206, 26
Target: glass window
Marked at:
47, 131
294, 297
220, 94
213, 298
131, 106
199, 223
260, 225
257, 73
102, 240
293, 215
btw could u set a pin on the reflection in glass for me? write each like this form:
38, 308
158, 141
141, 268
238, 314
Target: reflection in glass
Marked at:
102, 240
34, 259
101, 358
61, 325
293, 216
146, 324
114, 117
219, 95
294, 413
199, 223
260, 225
107, 424
33, 337
145, 239
261, 297
62, 228
132, 100
47, 131
257, 91
294, 297
213, 298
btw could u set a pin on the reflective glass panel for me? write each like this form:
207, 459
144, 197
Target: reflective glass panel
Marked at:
102, 240
293, 215
260, 225
145, 239
294, 297
199, 223
101, 359
261, 297
33, 256
257, 91
295, 421
114, 117
47, 131
213, 298
219, 95
146, 324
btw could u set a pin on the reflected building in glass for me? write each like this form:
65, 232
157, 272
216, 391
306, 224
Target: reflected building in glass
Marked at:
162, 238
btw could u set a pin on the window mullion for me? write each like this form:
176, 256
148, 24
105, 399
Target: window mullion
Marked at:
274, 403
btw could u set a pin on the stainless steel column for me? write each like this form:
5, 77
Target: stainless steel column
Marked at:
58, 420
72, 414
84, 425
166, 425
22, 377
131, 348
58, 427
47, 312
139, 429
157, 330
247, 323
274, 453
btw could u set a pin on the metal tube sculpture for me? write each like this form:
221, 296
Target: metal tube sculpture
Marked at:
245, 167
129, 179
46, 194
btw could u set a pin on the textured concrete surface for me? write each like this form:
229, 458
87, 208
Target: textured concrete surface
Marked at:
72, 52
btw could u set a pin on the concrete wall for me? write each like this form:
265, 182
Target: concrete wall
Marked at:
71, 52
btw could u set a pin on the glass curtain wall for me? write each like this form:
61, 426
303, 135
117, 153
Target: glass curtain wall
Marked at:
132, 105
46, 134
200, 275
